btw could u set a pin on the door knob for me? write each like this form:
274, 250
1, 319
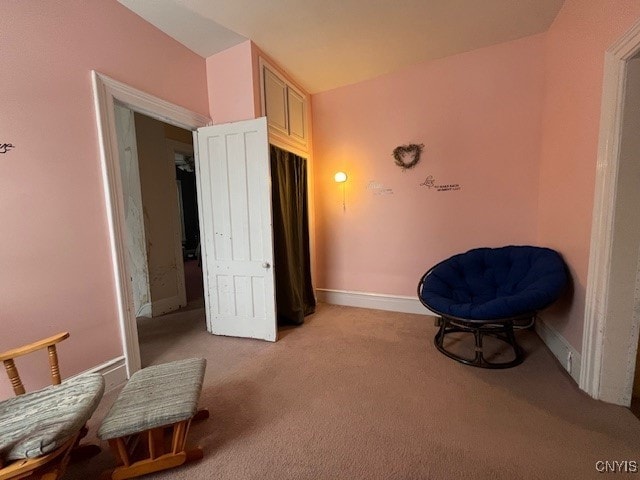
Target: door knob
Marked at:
266, 265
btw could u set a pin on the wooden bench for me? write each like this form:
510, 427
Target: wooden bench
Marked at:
147, 425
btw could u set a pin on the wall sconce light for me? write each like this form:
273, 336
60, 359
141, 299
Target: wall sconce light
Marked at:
341, 177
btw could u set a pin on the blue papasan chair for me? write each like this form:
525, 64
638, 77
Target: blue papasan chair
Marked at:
486, 291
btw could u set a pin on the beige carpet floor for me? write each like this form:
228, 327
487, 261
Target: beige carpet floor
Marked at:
363, 394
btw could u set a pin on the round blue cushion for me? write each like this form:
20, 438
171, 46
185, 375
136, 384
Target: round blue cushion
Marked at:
495, 283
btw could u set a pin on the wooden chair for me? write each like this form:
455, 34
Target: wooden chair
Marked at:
38, 430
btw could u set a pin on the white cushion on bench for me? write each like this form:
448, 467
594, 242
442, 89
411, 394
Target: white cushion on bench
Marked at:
39, 422
154, 397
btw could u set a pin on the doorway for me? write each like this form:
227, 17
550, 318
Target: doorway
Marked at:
233, 186
157, 168
612, 317
107, 93
183, 157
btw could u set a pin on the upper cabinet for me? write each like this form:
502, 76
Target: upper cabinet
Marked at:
285, 107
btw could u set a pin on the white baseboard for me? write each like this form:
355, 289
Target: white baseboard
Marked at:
376, 301
165, 305
113, 371
568, 356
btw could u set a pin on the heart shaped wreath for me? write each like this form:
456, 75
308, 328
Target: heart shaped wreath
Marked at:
407, 156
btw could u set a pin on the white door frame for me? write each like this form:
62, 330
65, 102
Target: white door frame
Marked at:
609, 342
106, 92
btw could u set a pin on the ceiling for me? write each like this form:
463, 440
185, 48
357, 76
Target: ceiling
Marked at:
325, 44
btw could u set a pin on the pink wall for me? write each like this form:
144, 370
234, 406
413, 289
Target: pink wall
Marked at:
232, 87
520, 155
575, 47
55, 271
233, 81
478, 115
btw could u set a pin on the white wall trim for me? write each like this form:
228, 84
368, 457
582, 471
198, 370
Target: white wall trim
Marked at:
106, 92
568, 356
594, 366
113, 371
375, 301
166, 305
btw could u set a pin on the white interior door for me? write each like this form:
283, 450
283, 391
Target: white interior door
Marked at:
234, 195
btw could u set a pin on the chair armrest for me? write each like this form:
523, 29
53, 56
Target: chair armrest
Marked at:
48, 343
32, 347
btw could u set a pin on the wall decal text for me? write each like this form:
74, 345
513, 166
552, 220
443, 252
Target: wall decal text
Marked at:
5, 147
379, 188
430, 183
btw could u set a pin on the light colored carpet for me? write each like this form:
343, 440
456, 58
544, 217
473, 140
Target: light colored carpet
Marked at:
363, 394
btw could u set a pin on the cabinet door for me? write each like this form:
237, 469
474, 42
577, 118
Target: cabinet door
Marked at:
297, 116
285, 107
275, 101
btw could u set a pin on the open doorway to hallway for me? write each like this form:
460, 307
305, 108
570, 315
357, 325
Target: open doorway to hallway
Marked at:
625, 270
625, 293
612, 306
184, 160
161, 210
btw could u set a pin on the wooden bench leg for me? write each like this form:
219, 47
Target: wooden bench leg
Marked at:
158, 458
194, 454
146, 466
155, 442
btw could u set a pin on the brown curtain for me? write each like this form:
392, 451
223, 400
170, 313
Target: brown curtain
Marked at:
294, 292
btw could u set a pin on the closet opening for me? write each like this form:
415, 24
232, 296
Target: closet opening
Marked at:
292, 258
